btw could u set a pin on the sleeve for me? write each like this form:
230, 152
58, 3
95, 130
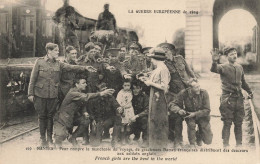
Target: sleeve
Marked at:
245, 86
176, 105
73, 68
216, 68
205, 106
33, 78
99, 21
83, 97
114, 103
119, 98
145, 106
90, 109
165, 79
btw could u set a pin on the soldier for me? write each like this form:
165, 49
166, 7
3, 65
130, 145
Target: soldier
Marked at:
122, 53
67, 77
44, 85
104, 111
180, 75
193, 104
140, 103
72, 112
231, 101
106, 20
148, 60
114, 76
94, 78
136, 64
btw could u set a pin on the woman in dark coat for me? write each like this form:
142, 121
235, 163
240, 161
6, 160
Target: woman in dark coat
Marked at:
158, 112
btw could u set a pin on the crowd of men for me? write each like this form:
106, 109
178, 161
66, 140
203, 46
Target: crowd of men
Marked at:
83, 92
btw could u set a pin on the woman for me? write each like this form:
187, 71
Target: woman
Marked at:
158, 113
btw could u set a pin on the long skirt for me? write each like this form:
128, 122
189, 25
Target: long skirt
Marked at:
158, 126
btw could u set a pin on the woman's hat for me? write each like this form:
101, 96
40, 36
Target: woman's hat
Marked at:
157, 53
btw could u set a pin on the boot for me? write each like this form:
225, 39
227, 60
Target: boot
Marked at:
198, 138
42, 127
238, 134
49, 130
226, 134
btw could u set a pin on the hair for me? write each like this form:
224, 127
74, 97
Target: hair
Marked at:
76, 81
127, 81
69, 48
136, 83
50, 46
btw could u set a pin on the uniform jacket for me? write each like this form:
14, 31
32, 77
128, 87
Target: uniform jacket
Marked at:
102, 108
46, 75
141, 104
73, 104
191, 102
232, 77
67, 78
180, 73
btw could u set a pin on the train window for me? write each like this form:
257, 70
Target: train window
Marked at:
3, 23
31, 26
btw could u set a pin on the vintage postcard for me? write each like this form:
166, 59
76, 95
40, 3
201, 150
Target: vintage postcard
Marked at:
129, 81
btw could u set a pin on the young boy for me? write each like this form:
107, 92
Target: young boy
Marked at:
141, 107
104, 114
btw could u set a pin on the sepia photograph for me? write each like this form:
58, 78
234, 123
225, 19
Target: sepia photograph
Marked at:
130, 81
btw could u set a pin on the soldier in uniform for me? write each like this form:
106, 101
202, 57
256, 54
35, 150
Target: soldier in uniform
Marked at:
73, 113
231, 101
94, 78
106, 20
193, 104
180, 75
136, 63
44, 85
140, 103
104, 111
67, 77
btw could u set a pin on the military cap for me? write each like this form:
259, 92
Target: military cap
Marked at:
157, 53
89, 46
135, 45
113, 51
146, 49
228, 49
166, 45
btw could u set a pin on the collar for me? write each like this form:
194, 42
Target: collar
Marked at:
46, 58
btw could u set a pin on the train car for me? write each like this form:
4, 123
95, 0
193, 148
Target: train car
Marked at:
25, 28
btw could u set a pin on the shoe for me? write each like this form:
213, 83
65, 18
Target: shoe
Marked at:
177, 146
44, 143
86, 142
199, 142
115, 144
144, 144
73, 141
192, 146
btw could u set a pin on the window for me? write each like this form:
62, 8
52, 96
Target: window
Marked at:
3, 23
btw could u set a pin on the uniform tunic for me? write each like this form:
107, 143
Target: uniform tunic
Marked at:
158, 111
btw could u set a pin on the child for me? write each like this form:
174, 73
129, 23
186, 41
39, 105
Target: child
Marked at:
124, 98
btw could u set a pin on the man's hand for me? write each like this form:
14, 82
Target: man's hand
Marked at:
250, 96
191, 115
127, 76
182, 112
133, 119
215, 54
148, 83
90, 69
31, 98
107, 92
86, 115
